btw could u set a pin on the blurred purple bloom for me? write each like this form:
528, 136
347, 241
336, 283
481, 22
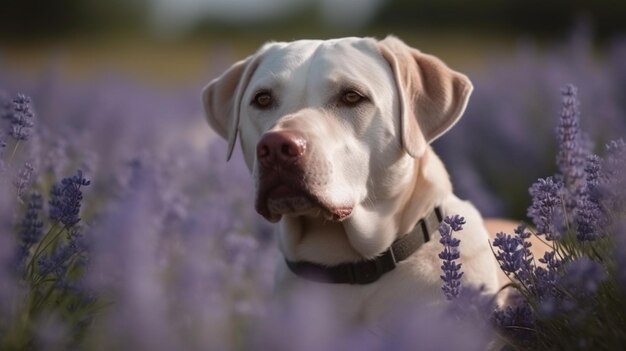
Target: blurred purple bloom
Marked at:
308, 321
20, 117
31, 230
590, 219
32, 226
125, 266
613, 187
451, 270
590, 215
472, 305
239, 248
593, 170
568, 289
579, 172
518, 322
616, 147
582, 277
546, 209
55, 159
24, 178
571, 156
58, 261
546, 280
66, 198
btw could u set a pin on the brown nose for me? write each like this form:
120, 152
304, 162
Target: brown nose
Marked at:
280, 147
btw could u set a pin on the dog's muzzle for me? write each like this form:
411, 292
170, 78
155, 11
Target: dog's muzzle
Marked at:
284, 186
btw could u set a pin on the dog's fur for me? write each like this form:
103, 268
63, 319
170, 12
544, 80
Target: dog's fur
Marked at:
368, 173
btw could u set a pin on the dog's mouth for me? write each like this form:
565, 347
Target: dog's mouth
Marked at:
282, 196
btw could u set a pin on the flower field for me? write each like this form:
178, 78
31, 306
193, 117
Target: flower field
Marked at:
122, 226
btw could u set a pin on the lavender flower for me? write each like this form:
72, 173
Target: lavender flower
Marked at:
65, 199
590, 219
546, 209
582, 277
514, 255
551, 261
590, 215
31, 230
58, 261
21, 117
579, 171
518, 322
32, 226
613, 187
451, 270
593, 170
206, 255
24, 179
571, 156
615, 147
545, 284
472, 305
509, 256
569, 289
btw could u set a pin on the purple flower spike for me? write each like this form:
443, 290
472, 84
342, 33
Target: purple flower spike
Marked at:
546, 209
571, 158
514, 255
451, 270
32, 226
518, 321
20, 117
31, 230
583, 276
613, 189
66, 198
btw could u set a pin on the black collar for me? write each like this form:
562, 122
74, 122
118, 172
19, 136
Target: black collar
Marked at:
369, 271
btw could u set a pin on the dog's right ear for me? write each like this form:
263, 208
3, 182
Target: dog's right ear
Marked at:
222, 99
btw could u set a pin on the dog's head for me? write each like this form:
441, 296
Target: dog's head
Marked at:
331, 128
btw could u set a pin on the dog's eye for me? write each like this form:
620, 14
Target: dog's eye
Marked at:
263, 100
352, 97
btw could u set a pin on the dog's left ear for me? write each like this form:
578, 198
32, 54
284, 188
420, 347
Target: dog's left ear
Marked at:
432, 96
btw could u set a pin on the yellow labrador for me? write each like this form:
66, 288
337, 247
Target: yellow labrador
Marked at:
336, 135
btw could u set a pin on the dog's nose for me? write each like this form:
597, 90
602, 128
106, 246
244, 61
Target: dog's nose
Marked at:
280, 147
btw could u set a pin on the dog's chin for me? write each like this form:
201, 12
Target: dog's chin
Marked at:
285, 201
291, 206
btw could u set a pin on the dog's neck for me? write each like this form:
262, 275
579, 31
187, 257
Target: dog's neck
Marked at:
429, 189
313, 239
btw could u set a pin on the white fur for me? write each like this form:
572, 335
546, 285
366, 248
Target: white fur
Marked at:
357, 155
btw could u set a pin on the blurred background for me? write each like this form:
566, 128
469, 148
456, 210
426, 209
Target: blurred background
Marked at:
172, 41
518, 53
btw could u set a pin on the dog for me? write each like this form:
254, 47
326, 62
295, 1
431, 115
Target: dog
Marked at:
336, 135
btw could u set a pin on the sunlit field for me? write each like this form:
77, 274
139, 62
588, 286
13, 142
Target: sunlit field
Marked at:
122, 226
